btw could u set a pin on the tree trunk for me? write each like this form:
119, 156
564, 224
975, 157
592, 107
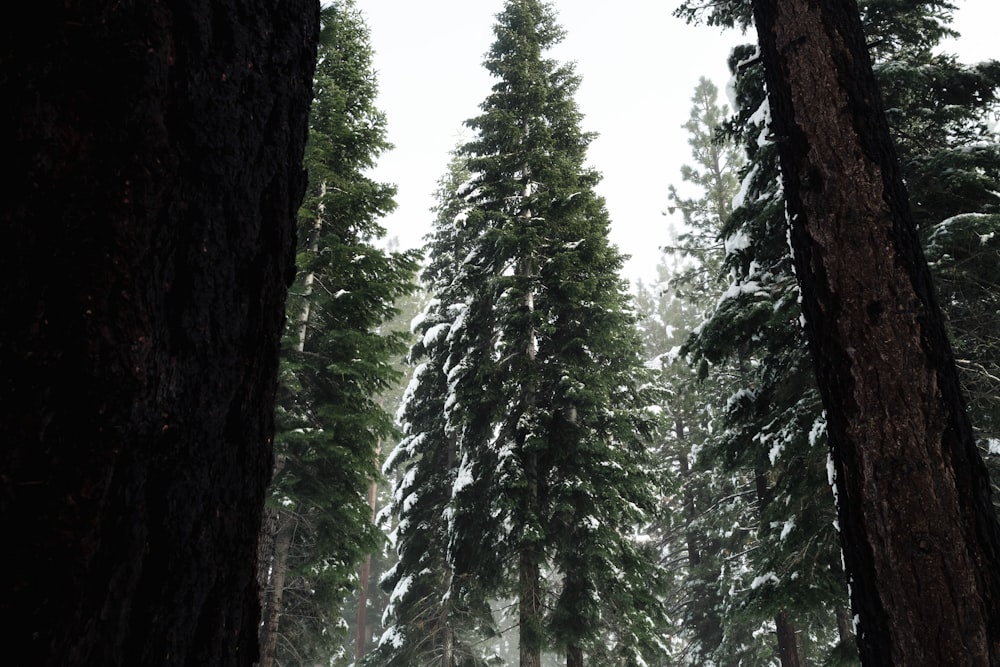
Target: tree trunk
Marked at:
362, 634
274, 600
530, 610
920, 540
692, 538
154, 154
788, 646
574, 656
788, 641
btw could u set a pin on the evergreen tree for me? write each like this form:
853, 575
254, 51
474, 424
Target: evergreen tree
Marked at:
897, 421
544, 402
336, 359
423, 623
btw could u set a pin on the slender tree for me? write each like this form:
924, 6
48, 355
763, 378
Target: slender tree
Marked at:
424, 623
546, 376
336, 357
136, 411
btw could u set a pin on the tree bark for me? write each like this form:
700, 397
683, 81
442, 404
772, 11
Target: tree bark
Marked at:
274, 601
154, 155
788, 641
920, 538
574, 656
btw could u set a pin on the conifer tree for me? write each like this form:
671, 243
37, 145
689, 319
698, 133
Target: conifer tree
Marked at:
545, 400
423, 623
336, 359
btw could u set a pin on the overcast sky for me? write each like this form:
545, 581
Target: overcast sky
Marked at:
639, 67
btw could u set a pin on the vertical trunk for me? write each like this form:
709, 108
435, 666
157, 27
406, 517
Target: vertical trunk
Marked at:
788, 646
530, 610
362, 634
788, 641
310, 278
845, 633
154, 153
574, 656
921, 543
447, 641
690, 510
274, 599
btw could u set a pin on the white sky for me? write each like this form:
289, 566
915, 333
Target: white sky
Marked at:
639, 67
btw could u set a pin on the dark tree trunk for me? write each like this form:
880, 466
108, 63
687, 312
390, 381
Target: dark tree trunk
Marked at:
920, 538
574, 656
529, 609
788, 641
153, 154
788, 646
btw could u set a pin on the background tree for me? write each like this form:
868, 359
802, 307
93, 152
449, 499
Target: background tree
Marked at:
136, 413
546, 373
336, 357
424, 624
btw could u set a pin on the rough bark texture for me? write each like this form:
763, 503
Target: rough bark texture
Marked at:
153, 152
920, 539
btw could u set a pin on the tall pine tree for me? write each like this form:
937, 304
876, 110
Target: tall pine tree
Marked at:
545, 404
335, 357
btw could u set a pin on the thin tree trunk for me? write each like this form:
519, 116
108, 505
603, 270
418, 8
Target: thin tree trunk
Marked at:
529, 610
845, 631
362, 634
788, 641
690, 510
310, 278
921, 543
153, 154
788, 646
274, 604
447, 641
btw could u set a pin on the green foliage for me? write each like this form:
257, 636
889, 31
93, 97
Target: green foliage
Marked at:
773, 442
336, 359
536, 371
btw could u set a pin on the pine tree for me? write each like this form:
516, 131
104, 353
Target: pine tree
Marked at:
544, 409
923, 566
423, 623
335, 358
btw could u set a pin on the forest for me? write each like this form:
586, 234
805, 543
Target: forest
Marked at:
493, 450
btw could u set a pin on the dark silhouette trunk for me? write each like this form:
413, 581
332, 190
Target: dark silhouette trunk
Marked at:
574, 656
529, 591
920, 539
154, 155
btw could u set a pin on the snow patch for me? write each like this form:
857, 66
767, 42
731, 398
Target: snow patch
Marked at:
769, 578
